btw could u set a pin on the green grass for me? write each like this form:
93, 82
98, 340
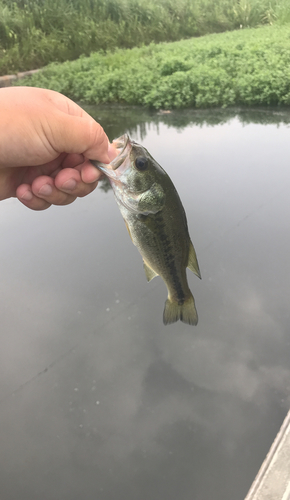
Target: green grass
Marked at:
245, 67
34, 33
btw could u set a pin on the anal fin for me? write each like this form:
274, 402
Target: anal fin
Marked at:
192, 261
150, 273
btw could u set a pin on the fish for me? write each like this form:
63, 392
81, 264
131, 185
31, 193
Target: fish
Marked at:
156, 222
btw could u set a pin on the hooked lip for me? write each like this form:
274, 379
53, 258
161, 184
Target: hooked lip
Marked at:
123, 144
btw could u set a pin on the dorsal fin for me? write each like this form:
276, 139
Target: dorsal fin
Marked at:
192, 261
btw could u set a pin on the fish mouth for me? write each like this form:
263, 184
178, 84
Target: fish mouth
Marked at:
117, 166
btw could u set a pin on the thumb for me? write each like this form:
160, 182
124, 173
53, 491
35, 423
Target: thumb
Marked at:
81, 135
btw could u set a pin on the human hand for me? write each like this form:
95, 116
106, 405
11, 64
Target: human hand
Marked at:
45, 143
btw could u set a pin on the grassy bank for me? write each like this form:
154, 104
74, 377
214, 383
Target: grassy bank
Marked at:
245, 67
34, 33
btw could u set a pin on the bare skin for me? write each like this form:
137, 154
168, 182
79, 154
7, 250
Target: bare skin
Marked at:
46, 141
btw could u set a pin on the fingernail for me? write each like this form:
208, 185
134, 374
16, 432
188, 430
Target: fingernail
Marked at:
112, 153
69, 185
27, 196
45, 190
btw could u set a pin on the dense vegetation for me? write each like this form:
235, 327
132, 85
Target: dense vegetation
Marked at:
248, 67
36, 32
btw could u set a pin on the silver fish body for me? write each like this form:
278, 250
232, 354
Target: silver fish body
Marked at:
156, 222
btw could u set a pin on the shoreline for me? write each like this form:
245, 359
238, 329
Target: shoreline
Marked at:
8, 80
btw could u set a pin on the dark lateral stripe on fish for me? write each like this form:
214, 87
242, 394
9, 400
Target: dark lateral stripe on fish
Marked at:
169, 259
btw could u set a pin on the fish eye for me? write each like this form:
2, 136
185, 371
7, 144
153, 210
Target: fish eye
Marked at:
141, 163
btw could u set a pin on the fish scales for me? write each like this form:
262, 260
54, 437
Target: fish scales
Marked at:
169, 242
156, 222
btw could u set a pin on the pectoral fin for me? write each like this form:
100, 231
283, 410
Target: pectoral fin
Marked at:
192, 261
128, 230
152, 200
150, 274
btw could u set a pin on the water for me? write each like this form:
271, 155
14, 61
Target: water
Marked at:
99, 400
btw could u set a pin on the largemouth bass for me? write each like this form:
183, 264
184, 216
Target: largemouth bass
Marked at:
156, 222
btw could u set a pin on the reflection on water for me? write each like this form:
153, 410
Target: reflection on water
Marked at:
98, 398
138, 121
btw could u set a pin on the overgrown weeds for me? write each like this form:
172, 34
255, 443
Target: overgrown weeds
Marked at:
248, 67
34, 33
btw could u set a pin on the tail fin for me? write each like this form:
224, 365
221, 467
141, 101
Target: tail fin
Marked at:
186, 312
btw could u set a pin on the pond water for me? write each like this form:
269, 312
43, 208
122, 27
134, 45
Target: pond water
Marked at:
100, 400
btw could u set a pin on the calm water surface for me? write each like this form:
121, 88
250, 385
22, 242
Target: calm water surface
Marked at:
99, 400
